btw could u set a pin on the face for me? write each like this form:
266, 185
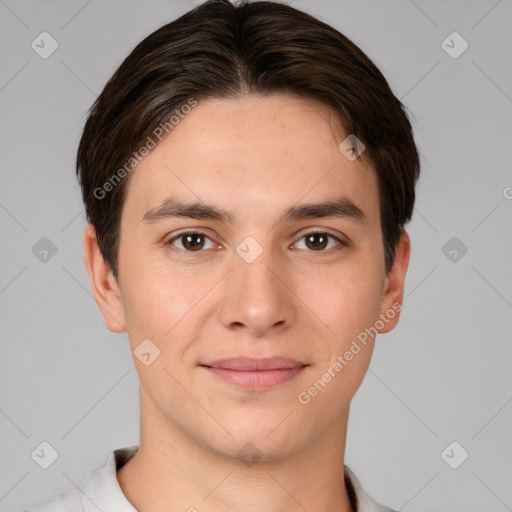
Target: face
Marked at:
250, 272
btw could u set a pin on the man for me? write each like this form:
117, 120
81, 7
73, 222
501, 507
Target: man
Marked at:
247, 174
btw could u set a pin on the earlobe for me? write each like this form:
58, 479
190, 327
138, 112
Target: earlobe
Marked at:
393, 291
105, 288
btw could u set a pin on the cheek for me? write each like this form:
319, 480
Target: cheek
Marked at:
155, 299
348, 306
346, 299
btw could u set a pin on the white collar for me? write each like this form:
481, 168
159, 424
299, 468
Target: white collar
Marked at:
100, 490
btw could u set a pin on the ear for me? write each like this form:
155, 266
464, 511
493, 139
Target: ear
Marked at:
105, 288
393, 289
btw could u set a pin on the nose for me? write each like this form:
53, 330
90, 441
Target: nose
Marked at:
258, 295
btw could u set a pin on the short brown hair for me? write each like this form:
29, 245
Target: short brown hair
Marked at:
223, 50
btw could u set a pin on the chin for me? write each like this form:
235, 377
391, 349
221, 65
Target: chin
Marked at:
266, 440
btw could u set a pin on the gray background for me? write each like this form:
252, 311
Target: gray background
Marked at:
442, 375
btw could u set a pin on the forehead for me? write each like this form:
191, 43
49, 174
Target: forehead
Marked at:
261, 152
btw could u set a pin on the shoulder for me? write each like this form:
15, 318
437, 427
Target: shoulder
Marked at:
364, 502
99, 490
66, 502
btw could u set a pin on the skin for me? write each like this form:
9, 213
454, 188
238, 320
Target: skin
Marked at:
254, 157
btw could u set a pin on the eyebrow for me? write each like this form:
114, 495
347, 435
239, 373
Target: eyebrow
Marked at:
341, 207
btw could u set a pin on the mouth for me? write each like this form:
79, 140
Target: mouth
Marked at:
249, 373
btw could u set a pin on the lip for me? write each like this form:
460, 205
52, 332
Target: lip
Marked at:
255, 364
251, 373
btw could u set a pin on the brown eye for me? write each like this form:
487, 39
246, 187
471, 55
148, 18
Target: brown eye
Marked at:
318, 241
191, 241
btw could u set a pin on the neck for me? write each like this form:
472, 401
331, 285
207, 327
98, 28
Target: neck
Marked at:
174, 471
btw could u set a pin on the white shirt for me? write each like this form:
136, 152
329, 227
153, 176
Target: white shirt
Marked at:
100, 490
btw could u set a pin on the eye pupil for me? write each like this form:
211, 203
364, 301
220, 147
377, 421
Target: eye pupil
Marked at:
193, 242
313, 239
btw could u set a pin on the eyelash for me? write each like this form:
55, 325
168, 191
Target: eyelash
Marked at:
170, 242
